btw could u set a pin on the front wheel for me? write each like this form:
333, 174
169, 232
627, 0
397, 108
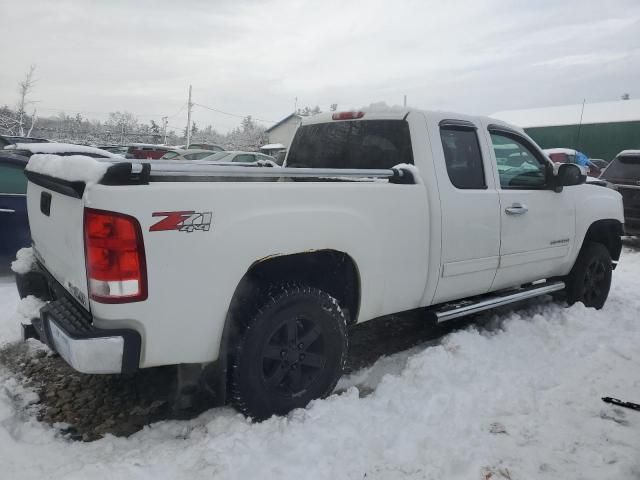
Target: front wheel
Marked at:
590, 278
292, 351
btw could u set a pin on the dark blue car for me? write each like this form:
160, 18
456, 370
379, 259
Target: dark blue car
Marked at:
14, 224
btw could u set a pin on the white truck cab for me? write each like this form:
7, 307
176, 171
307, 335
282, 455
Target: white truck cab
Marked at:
250, 275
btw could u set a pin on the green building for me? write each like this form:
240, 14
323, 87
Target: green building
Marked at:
607, 128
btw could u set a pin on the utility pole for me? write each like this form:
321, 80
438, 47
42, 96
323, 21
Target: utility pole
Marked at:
405, 101
189, 107
295, 105
165, 121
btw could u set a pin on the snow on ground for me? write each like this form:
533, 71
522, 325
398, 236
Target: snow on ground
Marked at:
519, 400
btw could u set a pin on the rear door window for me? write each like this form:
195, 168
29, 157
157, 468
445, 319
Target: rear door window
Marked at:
12, 180
352, 144
463, 158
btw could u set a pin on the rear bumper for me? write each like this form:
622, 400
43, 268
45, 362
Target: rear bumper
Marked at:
67, 328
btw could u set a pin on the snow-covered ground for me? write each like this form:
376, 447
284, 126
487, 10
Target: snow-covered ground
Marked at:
520, 400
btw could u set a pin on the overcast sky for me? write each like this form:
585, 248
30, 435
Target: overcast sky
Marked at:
256, 57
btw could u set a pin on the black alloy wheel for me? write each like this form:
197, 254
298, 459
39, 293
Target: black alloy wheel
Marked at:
292, 350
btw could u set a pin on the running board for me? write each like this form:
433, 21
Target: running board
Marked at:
451, 310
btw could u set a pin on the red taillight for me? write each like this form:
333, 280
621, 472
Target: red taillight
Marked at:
347, 115
116, 266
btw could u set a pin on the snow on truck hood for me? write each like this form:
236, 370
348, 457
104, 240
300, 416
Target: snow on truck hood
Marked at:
73, 168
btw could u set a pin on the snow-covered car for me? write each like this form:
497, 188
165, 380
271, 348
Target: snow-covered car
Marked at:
569, 155
212, 147
247, 277
236, 156
190, 154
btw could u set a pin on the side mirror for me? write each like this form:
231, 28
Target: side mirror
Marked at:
567, 175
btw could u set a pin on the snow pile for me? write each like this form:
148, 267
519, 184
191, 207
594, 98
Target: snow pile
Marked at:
74, 168
518, 400
54, 148
24, 262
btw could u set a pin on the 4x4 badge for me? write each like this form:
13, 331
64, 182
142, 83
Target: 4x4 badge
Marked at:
185, 221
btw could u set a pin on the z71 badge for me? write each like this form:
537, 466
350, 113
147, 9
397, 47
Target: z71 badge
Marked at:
187, 221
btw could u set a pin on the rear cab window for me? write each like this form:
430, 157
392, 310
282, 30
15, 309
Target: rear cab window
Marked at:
359, 144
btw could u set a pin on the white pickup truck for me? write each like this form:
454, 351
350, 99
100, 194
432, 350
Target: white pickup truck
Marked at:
247, 277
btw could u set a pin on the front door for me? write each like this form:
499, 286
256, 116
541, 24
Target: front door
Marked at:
537, 223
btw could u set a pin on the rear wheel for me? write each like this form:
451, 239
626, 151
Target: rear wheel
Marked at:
292, 351
590, 279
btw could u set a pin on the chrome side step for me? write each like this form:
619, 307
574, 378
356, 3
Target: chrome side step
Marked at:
449, 311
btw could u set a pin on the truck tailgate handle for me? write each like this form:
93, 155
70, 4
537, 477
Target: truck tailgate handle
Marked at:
516, 209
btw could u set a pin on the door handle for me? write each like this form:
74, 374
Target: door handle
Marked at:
7, 210
516, 209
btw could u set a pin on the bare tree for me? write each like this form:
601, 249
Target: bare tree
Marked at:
34, 117
24, 89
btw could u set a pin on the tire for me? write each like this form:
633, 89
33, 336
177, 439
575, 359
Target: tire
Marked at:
590, 278
292, 351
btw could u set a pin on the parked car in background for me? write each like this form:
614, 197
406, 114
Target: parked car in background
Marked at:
600, 163
191, 154
14, 224
12, 140
116, 149
569, 155
280, 156
173, 154
206, 146
623, 173
146, 151
238, 156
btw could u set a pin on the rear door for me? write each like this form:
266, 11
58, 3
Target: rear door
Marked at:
537, 223
469, 205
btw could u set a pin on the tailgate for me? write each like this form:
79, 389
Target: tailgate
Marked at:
56, 221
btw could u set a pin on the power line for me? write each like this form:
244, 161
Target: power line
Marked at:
233, 114
178, 112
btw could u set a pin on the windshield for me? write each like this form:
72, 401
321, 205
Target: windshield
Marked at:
352, 144
627, 168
